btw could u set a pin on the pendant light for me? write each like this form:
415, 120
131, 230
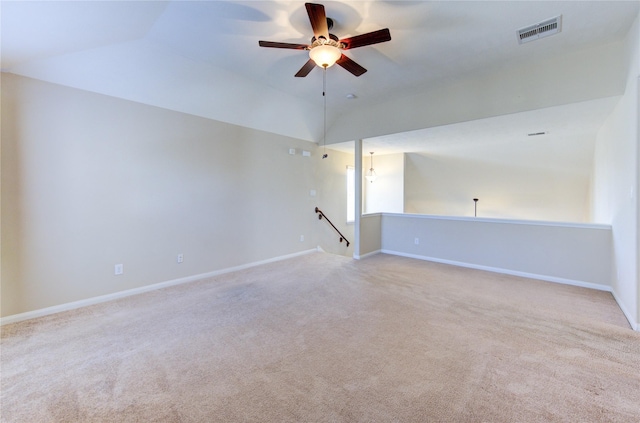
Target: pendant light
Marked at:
371, 174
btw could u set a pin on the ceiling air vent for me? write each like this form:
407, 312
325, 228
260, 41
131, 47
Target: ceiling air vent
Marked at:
540, 30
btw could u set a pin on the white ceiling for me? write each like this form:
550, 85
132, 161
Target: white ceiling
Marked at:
566, 145
203, 58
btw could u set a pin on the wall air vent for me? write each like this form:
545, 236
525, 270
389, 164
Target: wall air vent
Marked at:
540, 30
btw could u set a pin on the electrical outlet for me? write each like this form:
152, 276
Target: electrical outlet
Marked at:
118, 269
301, 238
416, 241
180, 258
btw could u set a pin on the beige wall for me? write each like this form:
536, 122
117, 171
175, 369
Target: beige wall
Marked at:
571, 253
440, 185
386, 194
370, 234
89, 181
332, 200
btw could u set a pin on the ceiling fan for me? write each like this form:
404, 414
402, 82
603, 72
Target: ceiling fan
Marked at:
326, 49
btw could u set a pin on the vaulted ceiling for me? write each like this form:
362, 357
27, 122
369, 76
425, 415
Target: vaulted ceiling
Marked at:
448, 62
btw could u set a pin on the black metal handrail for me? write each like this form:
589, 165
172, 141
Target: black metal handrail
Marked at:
321, 215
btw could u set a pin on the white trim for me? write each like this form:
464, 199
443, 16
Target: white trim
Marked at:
632, 321
546, 278
372, 253
129, 292
634, 325
116, 295
509, 221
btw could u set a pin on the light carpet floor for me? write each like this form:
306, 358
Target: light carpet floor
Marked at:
323, 338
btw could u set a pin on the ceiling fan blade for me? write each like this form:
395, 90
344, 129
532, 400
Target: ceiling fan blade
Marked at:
369, 38
275, 44
350, 65
308, 67
318, 20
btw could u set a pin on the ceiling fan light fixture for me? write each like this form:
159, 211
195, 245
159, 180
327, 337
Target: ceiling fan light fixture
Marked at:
325, 55
326, 49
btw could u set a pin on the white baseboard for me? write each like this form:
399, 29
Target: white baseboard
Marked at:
632, 320
546, 278
121, 294
372, 253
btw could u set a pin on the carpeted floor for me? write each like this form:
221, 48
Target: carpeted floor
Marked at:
323, 338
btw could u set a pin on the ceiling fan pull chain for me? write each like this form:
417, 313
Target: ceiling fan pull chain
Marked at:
324, 97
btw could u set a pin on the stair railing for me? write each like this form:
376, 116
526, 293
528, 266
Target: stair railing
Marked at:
321, 215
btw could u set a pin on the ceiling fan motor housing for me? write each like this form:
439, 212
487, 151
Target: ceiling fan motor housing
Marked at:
319, 40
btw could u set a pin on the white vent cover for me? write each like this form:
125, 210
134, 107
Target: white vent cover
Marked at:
540, 30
